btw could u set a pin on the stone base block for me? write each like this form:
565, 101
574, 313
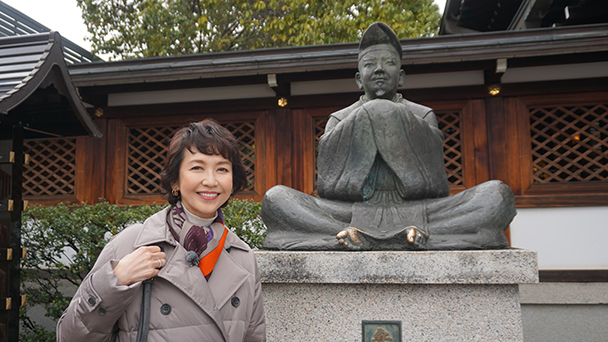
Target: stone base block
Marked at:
452, 296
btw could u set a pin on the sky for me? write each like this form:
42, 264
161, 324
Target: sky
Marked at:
65, 17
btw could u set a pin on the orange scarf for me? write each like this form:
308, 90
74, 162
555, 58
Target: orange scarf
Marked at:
176, 220
207, 263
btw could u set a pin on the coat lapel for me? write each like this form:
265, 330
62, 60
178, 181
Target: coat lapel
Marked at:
155, 231
226, 279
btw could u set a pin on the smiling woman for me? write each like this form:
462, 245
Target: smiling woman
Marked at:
205, 183
193, 149
221, 299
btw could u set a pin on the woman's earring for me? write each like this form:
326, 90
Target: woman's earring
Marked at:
175, 192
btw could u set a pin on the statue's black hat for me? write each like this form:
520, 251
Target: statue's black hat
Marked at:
379, 33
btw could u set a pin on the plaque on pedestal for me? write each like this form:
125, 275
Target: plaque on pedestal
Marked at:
381, 331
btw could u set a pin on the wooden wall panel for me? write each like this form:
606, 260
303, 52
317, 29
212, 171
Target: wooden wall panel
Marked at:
303, 151
512, 152
270, 166
90, 168
260, 125
497, 139
50, 176
116, 160
263, 153
481, 158
284, 145
524, 159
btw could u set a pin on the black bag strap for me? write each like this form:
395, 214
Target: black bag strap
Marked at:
114, 334
144, 314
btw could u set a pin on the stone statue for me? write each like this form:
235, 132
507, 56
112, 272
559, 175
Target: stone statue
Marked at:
381, 176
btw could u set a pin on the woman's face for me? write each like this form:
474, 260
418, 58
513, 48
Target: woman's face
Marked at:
205, 182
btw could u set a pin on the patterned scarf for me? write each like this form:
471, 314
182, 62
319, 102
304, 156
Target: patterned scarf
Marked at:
197, 238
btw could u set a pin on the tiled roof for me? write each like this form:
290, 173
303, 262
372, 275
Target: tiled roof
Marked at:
15, 23
31, 64
441, 49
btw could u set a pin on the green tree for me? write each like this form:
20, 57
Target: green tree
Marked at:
144, 28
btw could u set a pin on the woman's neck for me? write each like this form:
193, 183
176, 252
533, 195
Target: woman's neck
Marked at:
199, 221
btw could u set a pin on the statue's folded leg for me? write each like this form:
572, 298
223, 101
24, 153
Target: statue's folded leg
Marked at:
297, 221
473, 219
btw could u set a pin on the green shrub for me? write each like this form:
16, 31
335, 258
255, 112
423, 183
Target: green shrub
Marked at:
243, 218
64, 241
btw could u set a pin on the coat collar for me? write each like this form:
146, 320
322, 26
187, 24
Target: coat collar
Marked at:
156, 231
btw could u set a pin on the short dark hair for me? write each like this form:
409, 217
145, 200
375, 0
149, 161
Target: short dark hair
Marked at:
207, 137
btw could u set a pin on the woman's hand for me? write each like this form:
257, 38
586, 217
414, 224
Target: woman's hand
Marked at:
141, 264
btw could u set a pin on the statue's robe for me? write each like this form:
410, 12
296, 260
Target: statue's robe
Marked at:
381, 169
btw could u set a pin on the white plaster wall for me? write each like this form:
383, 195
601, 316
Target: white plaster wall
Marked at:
555, 72
565, 238
190, 95
418, 81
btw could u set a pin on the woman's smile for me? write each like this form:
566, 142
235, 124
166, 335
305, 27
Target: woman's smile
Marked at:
208, 195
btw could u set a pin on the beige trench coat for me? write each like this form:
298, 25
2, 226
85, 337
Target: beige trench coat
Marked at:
184, 306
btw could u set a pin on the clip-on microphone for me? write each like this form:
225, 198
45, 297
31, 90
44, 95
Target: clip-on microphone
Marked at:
192, 258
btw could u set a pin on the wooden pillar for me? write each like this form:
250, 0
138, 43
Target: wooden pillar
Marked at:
503, 143
278, 146
11, 206
497, 139
116, 155
91, 166
303, 151
475, 143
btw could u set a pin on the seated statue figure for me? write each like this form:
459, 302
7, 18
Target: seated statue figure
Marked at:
381, 176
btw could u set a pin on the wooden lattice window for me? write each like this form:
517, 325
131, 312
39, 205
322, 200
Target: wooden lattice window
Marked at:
245, 135
148, 149
449, 124
52, 167
569, 143
146, 157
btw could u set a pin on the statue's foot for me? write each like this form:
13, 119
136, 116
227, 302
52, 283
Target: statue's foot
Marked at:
407, 239
417, 237
350, 238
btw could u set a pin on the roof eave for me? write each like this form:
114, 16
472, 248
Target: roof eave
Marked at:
443, 49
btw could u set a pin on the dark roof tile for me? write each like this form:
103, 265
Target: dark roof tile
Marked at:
29, 64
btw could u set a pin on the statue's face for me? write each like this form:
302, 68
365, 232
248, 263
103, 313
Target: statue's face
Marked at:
380, 72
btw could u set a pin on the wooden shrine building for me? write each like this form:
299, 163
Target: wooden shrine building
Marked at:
496, 95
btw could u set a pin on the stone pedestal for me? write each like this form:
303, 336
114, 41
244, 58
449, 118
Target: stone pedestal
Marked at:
436, 295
